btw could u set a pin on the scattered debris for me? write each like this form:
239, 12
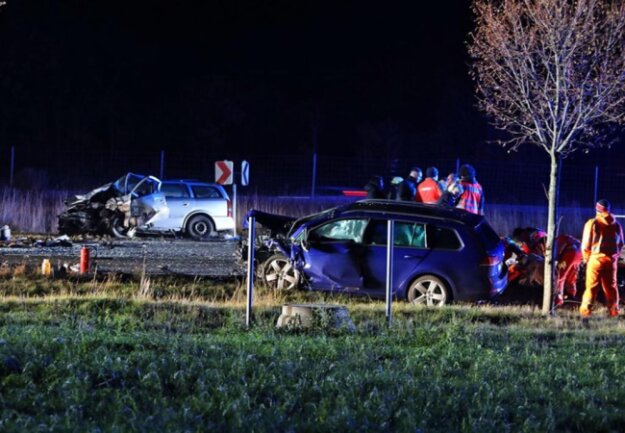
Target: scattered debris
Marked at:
46, 268
5, 233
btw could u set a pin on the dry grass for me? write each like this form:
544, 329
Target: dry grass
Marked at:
32, 211
505, 218
37, 211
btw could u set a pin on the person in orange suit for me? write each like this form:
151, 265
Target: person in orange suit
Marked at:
568, 253
429, 191
602, 242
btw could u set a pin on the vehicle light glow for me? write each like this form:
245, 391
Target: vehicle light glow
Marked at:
354, 193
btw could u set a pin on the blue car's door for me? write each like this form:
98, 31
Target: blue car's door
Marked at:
333, 255
408, 254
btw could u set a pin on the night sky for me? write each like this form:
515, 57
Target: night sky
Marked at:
385, 79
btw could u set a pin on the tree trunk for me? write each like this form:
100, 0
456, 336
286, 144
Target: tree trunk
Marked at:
551, 232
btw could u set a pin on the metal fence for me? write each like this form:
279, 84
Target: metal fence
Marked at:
514, 181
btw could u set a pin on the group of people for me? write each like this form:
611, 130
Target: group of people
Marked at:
460, 190
599, 249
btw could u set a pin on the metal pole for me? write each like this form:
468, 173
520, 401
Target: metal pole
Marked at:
314, 175
162, 172
251, 235
12, 168
234, 207
596, 183
390, 240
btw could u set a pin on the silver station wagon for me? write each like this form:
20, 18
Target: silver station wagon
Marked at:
197, 209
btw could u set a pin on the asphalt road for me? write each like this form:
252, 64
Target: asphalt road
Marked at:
214, 258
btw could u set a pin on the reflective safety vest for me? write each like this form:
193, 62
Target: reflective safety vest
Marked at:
603, 236
428, 191
472, 197
566, 243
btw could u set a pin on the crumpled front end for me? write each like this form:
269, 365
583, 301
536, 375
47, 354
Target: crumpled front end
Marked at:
117, 208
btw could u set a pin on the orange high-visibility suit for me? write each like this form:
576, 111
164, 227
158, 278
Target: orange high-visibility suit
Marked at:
601, 247
428, 191
568, 258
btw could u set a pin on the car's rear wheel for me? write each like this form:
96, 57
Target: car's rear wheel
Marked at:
200, 227
430, 291
279, 273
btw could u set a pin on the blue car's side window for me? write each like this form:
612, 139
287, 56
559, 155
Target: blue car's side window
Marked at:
407, 234
442, 238
340, 230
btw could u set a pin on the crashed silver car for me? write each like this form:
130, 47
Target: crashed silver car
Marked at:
117, 208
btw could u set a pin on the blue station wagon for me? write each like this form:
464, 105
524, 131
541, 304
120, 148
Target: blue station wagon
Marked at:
440, 254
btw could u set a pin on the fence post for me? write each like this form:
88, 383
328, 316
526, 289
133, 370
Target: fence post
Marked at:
12, 168
251, 235
234, 206
596, 184
162, 170
314, 175
390, 241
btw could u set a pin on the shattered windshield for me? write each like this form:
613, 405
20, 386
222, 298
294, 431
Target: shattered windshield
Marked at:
138, 184
298, 223
340, 230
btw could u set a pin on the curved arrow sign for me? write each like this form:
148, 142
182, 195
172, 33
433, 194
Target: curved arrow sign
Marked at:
223, 172
245, 173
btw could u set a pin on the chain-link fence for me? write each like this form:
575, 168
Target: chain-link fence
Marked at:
514, 181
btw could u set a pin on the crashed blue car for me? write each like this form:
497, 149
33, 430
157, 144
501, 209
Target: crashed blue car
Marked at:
440, 254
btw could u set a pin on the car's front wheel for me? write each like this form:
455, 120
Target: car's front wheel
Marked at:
279, 273
118, 229
430, 291
200, 227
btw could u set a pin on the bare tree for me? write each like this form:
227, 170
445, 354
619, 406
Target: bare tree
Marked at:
550, 73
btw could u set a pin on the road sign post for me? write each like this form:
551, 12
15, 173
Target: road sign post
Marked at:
234, 207
251, 235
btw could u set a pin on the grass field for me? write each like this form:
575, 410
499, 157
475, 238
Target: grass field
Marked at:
98, 356
118, 355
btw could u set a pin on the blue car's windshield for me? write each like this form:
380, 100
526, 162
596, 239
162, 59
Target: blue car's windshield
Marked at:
298, 223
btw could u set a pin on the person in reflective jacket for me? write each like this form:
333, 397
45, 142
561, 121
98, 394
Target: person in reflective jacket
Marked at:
472, 197
429, 191
602, 242
568, 254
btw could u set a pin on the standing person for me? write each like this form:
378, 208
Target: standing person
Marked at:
393, 190
407, 190
429, 190
451, 191
375, 187
601, 247
472, 197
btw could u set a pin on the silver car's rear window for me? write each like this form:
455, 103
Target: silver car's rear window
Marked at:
205, 191
175, 190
